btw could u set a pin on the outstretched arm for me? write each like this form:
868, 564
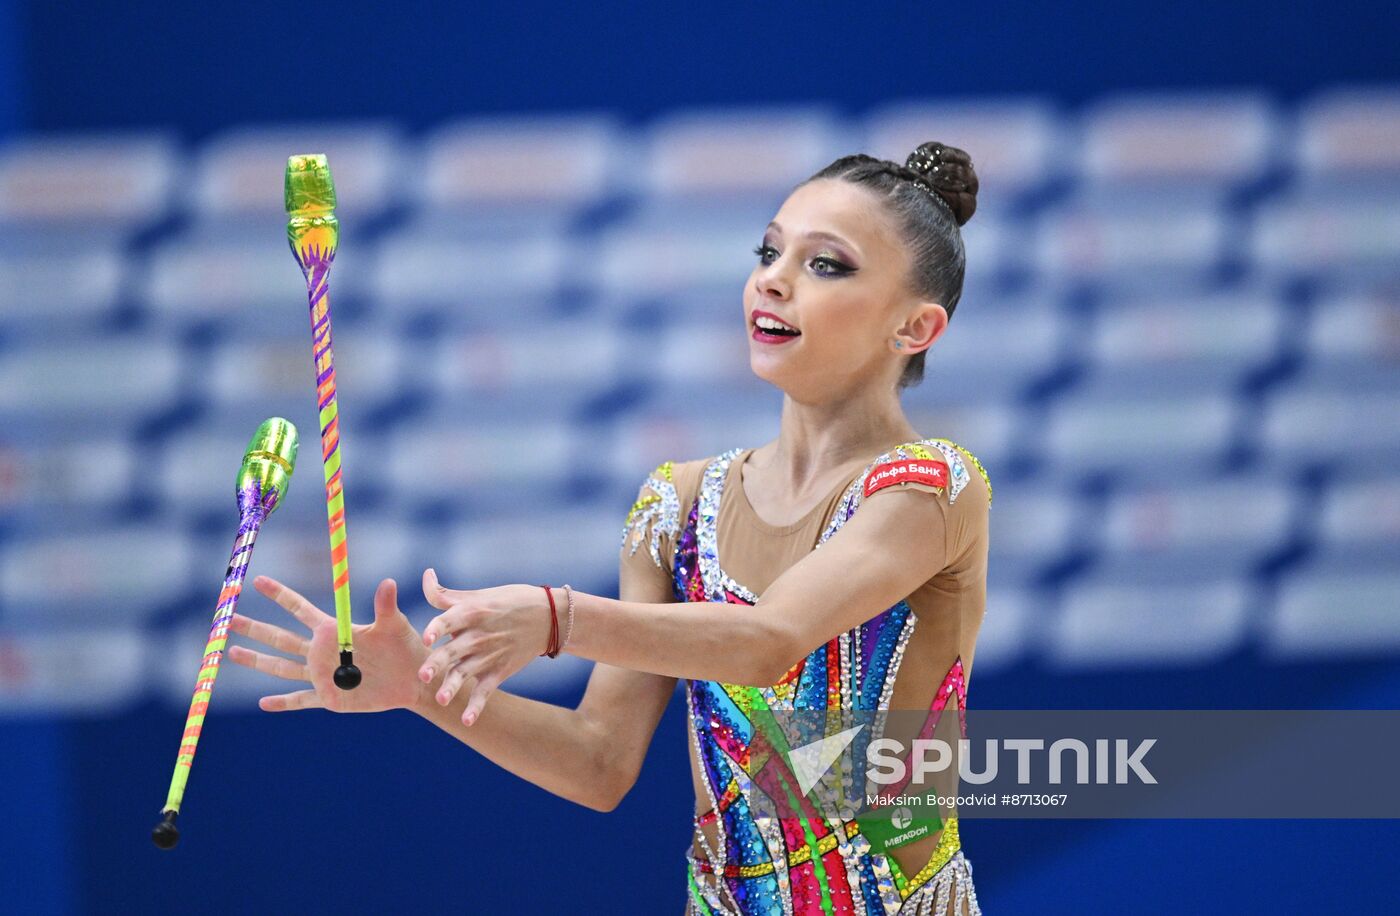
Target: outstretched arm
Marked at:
872, 562
589, 755
896, 542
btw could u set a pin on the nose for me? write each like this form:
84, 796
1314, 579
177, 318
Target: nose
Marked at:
771, 280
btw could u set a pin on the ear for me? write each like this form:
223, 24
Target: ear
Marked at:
924, 325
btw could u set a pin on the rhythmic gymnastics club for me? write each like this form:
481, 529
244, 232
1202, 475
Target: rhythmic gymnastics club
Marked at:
261, 487
313, 233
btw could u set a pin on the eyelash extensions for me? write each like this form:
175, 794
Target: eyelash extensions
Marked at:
835, 267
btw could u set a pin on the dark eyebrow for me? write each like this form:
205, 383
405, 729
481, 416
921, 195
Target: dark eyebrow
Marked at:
825, 236
831, 237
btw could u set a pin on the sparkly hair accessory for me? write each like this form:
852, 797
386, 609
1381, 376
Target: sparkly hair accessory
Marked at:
946, 173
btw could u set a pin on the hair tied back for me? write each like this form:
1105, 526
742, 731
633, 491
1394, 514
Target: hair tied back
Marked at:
946, 172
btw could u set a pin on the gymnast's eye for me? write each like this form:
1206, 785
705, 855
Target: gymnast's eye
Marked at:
767, 254
830, 267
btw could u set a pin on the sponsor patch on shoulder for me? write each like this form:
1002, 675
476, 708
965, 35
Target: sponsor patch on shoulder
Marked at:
913, 470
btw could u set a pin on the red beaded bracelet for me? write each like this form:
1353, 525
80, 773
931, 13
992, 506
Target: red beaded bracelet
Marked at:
552, 649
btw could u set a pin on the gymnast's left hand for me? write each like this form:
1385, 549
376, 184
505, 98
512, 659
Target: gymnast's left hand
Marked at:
388, 652
492, 633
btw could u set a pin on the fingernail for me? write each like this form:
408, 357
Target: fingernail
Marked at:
443, 698
469, 718
426, 674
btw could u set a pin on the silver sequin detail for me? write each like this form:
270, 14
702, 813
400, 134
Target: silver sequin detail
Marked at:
663, 516
717, 857
957, 470
885, 886
772, 832
849, 500
707, 528
715, 579
952, 884
898, 656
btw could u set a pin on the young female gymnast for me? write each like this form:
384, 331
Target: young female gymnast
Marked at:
722, 581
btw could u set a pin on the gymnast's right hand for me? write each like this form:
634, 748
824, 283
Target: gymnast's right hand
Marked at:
389, 653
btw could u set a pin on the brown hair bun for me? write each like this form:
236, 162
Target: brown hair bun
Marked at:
948, 172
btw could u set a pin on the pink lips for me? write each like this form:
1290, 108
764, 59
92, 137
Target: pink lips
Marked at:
763, 336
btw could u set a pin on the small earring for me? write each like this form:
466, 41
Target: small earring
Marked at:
899, 345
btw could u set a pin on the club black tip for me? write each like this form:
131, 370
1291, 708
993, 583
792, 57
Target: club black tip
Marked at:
166, 834
347, 676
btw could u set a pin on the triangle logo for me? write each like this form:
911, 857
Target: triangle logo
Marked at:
811, 761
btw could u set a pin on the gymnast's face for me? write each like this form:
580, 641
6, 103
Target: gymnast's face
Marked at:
830, 295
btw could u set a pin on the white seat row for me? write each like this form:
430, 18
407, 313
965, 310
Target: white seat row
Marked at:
1220, 139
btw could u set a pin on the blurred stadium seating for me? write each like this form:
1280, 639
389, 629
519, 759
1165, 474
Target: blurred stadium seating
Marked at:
1179, 360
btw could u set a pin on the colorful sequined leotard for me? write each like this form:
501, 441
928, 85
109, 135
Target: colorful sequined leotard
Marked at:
689, 515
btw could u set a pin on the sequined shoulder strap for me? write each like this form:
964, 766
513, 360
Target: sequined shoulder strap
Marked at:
710, 498
656, 512
944, 445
